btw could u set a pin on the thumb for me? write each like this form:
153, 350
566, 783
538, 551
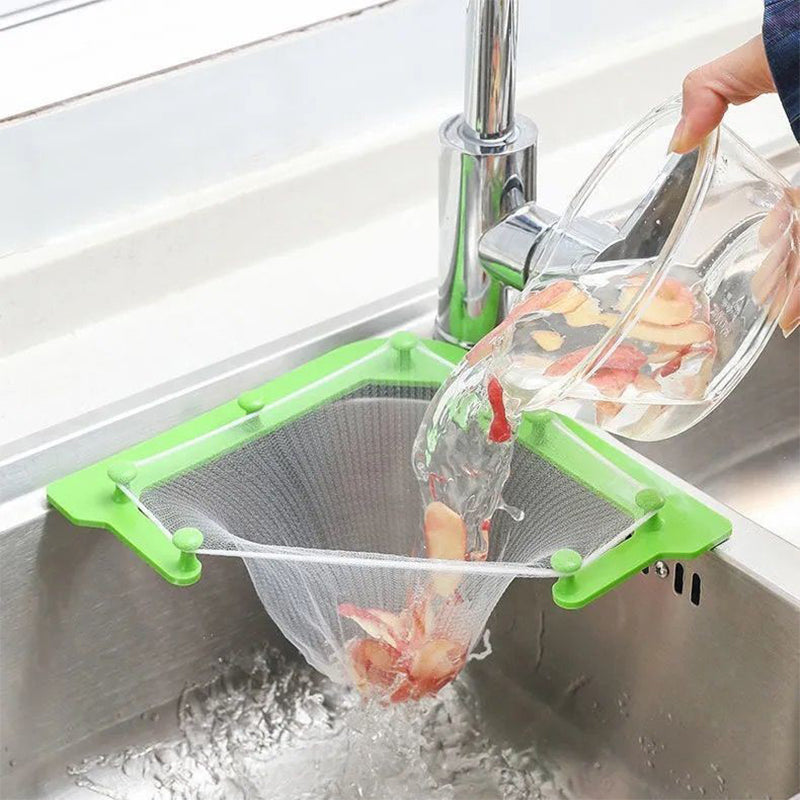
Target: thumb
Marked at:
736, 77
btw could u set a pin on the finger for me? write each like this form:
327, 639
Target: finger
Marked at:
736, 77
790, 317
771, 271
776, 222
780, 300
703, 109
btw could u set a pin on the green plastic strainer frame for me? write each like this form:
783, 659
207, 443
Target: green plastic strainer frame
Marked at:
679, 526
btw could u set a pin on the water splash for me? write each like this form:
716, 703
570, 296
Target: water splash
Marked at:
517, 514
487, 648
271, 729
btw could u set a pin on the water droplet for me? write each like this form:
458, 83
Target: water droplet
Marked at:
517, 514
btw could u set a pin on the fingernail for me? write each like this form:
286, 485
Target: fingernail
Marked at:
675, 141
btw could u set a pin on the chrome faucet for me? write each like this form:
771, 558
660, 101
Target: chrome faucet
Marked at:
487, 171
489, 222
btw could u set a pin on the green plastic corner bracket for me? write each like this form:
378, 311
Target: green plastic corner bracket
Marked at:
676, 525
679, 526
96, 496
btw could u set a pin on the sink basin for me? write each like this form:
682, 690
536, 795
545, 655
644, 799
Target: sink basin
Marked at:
110, 677
747, 453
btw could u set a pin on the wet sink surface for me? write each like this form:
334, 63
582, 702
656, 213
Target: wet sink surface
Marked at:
591, 705
112, 681
239, 737
747, 452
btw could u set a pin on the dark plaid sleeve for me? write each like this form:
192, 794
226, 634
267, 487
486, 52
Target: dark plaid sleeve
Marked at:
782, 43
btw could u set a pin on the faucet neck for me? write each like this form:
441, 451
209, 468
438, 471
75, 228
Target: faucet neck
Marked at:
490, 67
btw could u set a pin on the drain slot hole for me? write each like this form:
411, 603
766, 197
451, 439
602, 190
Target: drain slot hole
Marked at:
695, 596
678, 580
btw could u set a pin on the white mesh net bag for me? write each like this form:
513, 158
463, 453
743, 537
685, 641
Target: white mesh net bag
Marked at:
315, 491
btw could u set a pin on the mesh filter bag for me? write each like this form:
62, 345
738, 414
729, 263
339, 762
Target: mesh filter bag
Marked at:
320, 500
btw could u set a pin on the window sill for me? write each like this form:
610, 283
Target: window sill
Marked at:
107, 43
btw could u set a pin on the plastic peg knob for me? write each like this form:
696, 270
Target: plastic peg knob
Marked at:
121, 473
188, 541
250, 402
566, 561
403, 343
650, 501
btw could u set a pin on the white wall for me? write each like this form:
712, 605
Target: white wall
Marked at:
102, 158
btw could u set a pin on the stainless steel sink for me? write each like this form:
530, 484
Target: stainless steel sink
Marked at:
747, 453
683, 682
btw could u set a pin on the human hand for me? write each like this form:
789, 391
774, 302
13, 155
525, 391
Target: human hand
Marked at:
737, 77
776, 284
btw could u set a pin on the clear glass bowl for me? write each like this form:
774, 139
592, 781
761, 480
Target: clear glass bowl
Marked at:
658, 288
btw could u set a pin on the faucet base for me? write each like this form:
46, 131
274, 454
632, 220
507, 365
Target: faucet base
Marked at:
440, 334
